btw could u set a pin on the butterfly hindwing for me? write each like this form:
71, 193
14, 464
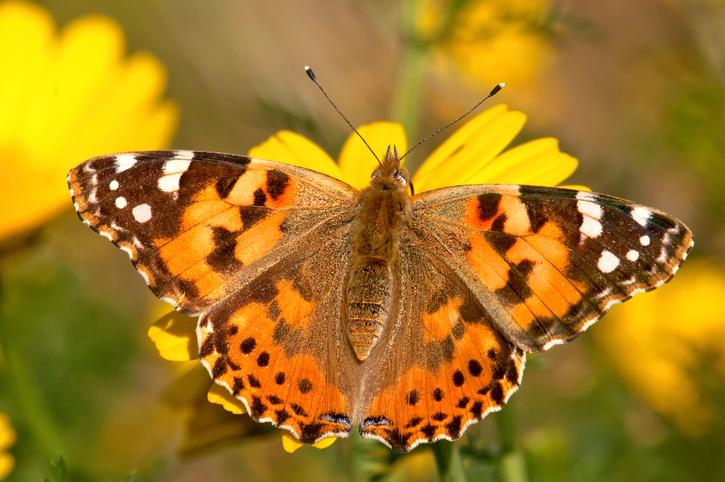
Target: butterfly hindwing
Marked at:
548, 261
446, 364
276, 344
195, 223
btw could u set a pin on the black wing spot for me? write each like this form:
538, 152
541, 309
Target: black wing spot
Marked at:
225, 185
458, 378
248, 345
253, 381
263, 359
276, 183
488, 205
499, 222
304, 385
474, 367
497, 393
220, 367
259, 197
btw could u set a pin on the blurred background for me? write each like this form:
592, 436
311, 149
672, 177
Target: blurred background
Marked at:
634, 90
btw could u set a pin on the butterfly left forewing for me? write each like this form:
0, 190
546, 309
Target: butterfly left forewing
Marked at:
550, 261
197, 224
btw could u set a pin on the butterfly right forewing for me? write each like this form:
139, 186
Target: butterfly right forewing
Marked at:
550, 261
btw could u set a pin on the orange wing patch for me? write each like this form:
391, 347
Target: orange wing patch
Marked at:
438, 325
244, 353
424, 406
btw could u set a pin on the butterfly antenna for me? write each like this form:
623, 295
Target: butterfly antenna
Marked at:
311, 74
493, 92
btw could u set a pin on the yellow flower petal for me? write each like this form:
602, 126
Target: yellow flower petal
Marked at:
190, 385
537, 162
357, 162
576, 187
221, 396
324, 443
25, 65
206, 425
64, 98
470, 148
292, 148
291, 444
7, 462
7, 433
175, 337
686, 320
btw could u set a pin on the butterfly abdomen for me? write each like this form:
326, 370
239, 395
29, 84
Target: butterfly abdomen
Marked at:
375, 244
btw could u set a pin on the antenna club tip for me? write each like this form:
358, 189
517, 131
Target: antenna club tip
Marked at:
496, 89
310, 73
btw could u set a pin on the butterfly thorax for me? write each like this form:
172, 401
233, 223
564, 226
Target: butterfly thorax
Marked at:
383, 210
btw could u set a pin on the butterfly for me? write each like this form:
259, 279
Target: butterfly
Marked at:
324, 308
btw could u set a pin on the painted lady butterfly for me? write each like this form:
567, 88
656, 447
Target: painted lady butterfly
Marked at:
323, 308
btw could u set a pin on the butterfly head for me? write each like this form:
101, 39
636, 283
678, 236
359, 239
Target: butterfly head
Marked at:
390, 175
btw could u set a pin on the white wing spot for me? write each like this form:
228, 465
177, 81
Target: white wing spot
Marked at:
144, 275
173, 170
126, 249
113, 185
608, 262
633, 255
662, 258
124, 162
585, 196
641, 215
121, 202
589, 208
141, 213
644, 240
591, 227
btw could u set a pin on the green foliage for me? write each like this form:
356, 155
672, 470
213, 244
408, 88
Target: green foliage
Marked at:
58, 470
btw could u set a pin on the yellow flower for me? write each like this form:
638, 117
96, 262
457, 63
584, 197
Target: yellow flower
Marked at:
65, 97
7, 439
472, 155
666, 343
490, 40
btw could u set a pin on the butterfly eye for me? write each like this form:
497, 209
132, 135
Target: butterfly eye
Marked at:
400, 178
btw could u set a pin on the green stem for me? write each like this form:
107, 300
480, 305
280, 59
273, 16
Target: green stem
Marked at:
511, 463
406, 103
23, 387
35, 413
448, 460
